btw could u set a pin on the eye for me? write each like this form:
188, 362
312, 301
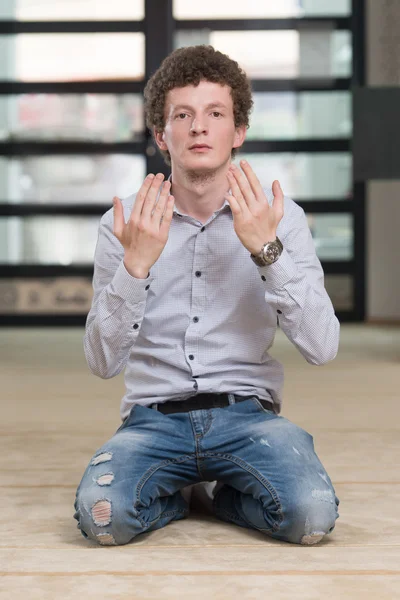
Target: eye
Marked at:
181, 116
216, 114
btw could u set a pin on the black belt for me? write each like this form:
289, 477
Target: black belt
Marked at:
204, 401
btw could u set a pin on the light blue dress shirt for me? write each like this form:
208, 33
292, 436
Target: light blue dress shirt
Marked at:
205, 318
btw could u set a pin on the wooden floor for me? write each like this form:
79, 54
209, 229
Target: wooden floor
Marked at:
55, 414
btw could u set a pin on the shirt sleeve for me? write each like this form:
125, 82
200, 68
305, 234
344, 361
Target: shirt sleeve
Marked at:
118, 306
295, 287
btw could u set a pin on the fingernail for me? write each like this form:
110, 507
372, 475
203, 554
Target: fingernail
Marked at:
244, 162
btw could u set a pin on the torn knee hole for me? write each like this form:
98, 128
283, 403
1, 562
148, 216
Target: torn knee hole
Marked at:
313, 538
101, 513
104, 457
106, 539
105, 479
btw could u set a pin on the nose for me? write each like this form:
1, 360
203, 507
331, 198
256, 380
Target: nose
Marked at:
198, 126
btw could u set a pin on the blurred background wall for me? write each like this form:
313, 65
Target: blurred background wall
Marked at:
72, 134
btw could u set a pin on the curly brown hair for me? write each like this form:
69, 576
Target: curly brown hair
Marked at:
189, 66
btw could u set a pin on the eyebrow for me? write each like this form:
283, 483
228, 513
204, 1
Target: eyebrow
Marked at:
211, 105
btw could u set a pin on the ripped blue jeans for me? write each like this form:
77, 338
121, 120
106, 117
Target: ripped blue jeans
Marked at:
272, 479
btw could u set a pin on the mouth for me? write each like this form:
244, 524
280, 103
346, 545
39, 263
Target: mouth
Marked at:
200, 147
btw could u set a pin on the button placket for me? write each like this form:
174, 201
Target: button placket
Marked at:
198, 297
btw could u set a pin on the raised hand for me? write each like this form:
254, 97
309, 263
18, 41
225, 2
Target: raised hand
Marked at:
254, 220
145, 234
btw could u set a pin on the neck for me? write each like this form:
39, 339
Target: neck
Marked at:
199, 194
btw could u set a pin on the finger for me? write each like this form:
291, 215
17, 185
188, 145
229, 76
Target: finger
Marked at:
253, 180
244, 186
237, 194
150, 200
233, 203
162, 200
119, 221
278, 202
141, 196
167, 216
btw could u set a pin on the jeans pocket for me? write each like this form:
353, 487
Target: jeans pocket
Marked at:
256, 401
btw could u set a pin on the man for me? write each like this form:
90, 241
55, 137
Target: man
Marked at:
188, 289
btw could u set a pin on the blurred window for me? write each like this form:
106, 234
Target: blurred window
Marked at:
333, 235
72, 240
259, 9
291, 116
48, 240
72, 56
305, 175
279, 54
72, 10
74, 117
75, 179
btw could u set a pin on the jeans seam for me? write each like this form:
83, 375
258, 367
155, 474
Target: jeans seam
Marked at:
168, 513
246, 467
147, 475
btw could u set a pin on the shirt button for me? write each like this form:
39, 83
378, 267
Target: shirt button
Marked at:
263, 278
202, 229
191, 357
279, 312
135, 326
196, 319
198, 273
147, 287
195, 385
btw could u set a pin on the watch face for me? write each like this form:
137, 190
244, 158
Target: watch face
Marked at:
271, 252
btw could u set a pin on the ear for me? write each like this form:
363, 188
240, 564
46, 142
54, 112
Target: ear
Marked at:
240, 135
159, 138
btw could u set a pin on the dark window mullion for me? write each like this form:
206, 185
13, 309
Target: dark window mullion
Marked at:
34, 270
14, 88
298, 145
70, 210
159, 31
359, 70
10, 209
38, 27
79, 320
136, 87
302, 23
29, 148
338, 267
321, 206
301, 84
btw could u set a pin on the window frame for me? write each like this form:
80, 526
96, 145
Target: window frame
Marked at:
159, 27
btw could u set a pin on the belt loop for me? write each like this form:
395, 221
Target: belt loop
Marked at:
154, 406
232, 399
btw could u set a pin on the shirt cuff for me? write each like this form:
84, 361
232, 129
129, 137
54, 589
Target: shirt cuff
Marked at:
280, 272
130, 288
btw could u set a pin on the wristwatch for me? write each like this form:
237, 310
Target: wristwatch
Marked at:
268, 254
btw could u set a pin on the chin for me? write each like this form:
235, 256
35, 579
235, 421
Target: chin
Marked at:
203, 164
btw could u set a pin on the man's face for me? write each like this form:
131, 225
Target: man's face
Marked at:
199, 128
